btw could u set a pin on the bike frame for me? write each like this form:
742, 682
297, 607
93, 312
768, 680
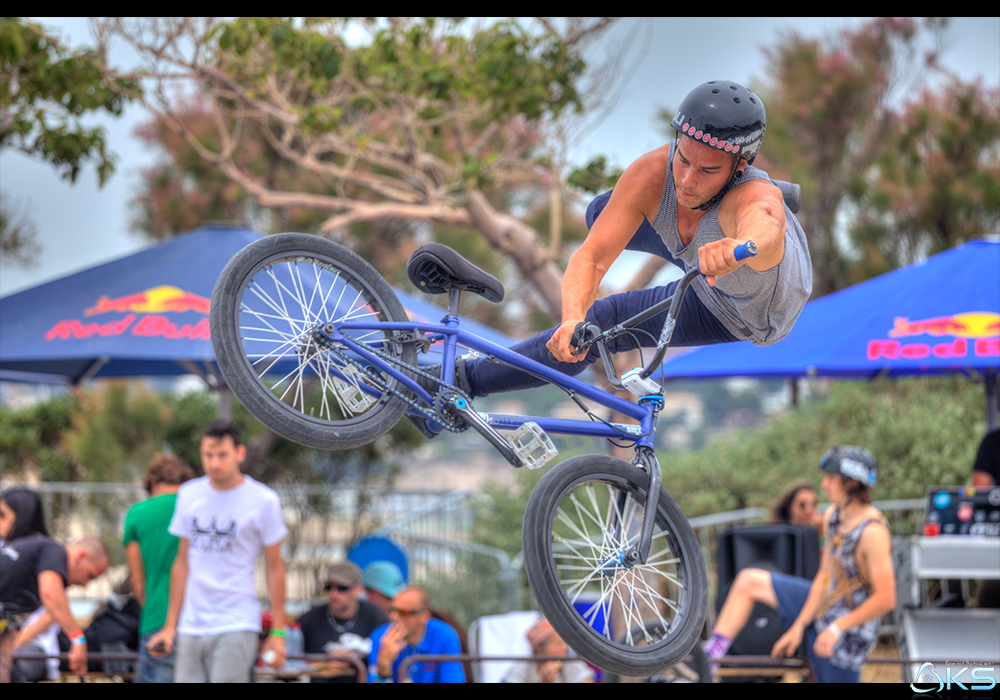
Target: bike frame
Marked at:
452, 336
645, 411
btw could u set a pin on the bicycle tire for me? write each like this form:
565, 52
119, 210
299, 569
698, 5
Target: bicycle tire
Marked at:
696, 667
565, 566
266, 302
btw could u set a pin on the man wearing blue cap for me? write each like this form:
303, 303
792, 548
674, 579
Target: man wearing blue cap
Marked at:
383, 580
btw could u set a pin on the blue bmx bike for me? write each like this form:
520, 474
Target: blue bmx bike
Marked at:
316, 345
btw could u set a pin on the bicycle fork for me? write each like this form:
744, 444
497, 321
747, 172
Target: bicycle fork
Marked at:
644, 459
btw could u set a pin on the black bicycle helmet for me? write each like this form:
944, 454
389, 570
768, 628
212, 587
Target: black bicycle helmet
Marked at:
851, 462
727, 116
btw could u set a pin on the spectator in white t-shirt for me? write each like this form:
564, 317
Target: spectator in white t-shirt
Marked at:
224, 521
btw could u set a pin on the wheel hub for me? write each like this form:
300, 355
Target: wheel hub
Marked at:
621, 560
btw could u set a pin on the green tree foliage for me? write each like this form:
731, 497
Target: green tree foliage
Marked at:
831, 105
328, 122
31, 440
922, 432
45, 91
936, 184
596, 177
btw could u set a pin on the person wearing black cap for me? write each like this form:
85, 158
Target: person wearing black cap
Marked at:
344, 624
692, 202
837, 614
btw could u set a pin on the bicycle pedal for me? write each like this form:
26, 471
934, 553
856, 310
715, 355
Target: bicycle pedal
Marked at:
350, 395
532, 445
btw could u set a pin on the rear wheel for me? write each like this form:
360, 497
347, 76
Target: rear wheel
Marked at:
629, 619
266, 307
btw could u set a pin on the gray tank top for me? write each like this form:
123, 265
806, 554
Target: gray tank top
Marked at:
759, 306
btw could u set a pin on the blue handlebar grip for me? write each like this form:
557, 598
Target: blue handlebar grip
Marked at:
742, 252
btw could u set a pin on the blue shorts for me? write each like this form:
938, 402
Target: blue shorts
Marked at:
792, 592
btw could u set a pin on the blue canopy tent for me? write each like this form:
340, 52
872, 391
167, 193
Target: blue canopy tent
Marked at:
937, 316
145, 314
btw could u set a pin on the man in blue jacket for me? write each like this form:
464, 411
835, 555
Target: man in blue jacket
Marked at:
411, 631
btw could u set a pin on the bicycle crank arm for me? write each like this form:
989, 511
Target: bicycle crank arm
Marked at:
464, 409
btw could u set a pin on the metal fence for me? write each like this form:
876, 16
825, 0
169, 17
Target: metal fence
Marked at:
434, 528
322, 521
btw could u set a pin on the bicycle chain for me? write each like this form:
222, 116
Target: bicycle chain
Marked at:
445, 421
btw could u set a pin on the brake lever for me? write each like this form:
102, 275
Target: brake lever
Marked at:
584, 336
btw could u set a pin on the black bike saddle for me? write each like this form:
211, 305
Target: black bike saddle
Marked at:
434, 269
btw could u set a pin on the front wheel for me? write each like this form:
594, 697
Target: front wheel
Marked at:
629, 619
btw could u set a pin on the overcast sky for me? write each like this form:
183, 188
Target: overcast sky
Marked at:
80, 225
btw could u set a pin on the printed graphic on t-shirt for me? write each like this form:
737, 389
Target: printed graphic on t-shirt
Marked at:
213, 537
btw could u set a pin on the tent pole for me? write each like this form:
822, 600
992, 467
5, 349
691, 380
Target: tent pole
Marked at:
225, 403
991, 380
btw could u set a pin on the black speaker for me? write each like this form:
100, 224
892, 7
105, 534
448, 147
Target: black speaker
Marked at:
782, 548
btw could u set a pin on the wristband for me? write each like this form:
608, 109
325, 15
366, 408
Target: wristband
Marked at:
835, 629
78, 639
279, 633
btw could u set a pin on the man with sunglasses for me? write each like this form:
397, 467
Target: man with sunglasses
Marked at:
344, 624
412, 631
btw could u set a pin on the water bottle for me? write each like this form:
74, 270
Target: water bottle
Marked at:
295, 646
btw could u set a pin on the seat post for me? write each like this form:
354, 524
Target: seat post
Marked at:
454, 298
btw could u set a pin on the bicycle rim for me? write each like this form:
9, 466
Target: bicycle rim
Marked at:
628, 618
279, 364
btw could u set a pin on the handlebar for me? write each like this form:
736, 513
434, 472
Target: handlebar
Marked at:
587, 334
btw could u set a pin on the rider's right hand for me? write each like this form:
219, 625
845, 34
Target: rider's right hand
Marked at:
560, 344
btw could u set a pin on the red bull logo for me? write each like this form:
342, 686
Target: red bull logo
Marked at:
982, 328
144, 316
975, 324
157, 300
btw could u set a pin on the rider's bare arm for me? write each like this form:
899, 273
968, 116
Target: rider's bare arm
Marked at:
638, 190
754, 211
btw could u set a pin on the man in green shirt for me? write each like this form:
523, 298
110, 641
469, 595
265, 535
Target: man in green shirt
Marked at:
151, 550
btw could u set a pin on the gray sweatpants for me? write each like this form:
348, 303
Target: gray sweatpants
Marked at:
215, 658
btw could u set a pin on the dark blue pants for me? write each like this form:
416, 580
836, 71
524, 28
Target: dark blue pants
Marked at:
696, 325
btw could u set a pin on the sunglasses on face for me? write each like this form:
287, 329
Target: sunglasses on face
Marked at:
336, 587
404, 613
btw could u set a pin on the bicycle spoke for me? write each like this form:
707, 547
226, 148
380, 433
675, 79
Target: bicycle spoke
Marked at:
598, 524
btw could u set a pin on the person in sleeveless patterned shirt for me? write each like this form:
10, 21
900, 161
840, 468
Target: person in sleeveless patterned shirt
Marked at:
837, 613
692, 202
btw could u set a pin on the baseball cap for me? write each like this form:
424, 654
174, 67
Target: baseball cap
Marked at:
345, 573
384, 577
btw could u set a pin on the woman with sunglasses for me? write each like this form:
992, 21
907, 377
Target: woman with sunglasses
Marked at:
343, 625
